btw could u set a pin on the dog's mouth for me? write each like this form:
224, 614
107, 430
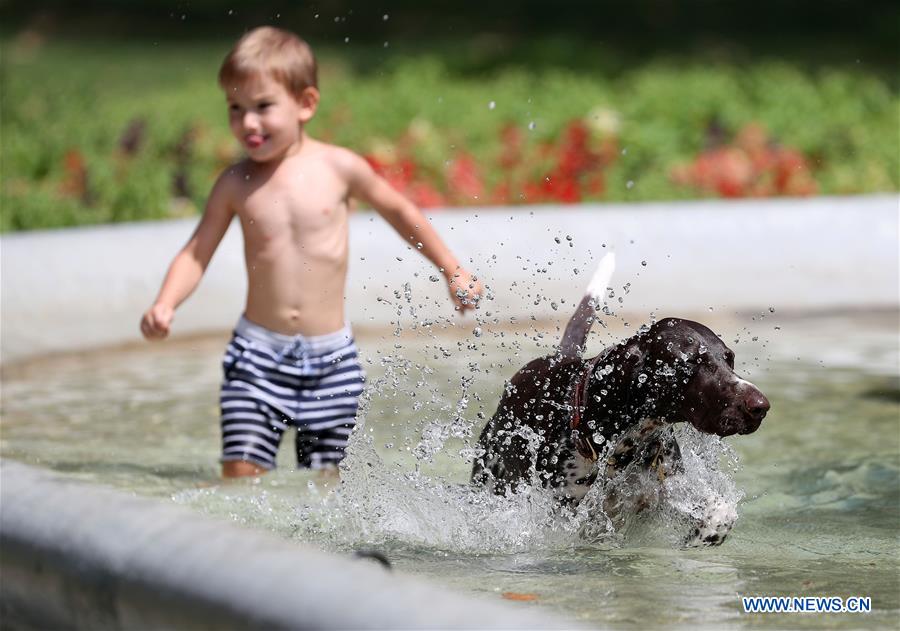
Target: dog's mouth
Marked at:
751, 426
729, 425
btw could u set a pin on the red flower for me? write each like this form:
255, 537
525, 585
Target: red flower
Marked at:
751, 166
512, 140
575, 156
425, 196
501, 194
567, 169
464, 181
561, 188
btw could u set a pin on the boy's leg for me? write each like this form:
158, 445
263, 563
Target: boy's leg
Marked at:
328, 477
251, 433
252, 426
323, 447
327, 408
241, 468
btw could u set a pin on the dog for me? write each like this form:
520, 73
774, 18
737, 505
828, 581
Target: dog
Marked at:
563, 421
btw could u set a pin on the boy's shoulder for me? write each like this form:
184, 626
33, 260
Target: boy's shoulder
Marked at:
227, 187
235, 174
344, 161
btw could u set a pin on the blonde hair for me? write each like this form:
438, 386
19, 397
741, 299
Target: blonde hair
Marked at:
271, 51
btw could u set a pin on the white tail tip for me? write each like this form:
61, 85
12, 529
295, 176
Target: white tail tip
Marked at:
600, 281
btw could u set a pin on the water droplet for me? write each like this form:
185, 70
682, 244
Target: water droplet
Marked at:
492, 105
568, 237
385, 17
531, 125
629, 184
644, 263
476, 331
642, 378
557, 239
771, 309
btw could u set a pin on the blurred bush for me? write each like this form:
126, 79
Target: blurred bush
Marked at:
102, 131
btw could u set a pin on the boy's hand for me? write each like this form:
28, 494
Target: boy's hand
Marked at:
465, 290
155, 323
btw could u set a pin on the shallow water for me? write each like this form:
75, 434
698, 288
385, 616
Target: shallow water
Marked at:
817, 488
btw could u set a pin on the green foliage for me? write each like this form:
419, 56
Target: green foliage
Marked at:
66, 106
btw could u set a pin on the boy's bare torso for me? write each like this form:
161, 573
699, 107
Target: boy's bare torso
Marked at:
294, 218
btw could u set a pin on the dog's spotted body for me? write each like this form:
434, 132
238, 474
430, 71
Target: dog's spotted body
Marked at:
568, 421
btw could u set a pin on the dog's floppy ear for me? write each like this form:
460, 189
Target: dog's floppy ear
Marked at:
637, 374
621, 363
612, 386
669, 364
632, 358
656, 369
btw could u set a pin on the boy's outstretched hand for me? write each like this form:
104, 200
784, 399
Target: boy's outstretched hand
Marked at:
155, 323
465, 289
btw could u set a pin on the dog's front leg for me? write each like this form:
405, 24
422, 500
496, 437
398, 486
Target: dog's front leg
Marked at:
716, 518
714, 526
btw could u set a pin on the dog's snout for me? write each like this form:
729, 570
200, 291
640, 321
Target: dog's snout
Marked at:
756, 404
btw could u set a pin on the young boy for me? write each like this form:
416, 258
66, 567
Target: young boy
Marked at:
292, 359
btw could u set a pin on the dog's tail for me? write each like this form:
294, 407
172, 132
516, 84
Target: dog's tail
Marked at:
576, 333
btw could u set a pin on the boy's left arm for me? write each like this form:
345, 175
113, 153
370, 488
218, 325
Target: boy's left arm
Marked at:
413, 227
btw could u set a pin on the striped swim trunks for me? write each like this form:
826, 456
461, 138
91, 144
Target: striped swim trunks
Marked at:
273, 381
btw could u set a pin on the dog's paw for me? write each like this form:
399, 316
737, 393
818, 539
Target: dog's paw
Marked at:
713, 527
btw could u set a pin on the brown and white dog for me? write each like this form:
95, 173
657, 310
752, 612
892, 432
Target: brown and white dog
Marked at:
564, 421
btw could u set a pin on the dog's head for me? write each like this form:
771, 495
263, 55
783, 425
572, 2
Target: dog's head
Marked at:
680, 370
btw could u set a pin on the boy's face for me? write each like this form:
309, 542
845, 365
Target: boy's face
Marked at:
267, 119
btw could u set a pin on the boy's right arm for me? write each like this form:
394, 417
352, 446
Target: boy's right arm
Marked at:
189, 264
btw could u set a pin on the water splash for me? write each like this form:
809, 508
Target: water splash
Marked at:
381, 503
391, 503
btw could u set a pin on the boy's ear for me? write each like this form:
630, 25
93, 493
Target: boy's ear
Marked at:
308, 101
